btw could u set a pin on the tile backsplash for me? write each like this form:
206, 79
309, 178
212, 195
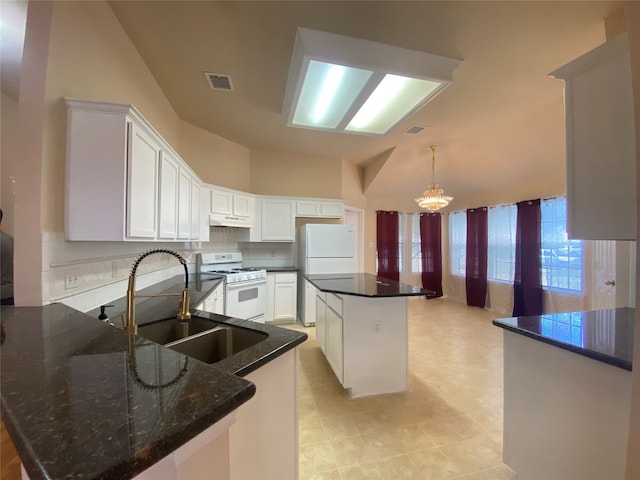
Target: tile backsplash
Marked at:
85, 275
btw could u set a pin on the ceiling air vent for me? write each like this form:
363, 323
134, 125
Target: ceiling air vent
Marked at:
414, 130
219, 81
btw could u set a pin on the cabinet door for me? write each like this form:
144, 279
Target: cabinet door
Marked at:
321, 333
601, 150
221, 202
307, 208
184, 205
142, 184
195, 209
243, 205
309, 312
285, 297
331, 209
278, 220
168, 197
271, 292
333, 340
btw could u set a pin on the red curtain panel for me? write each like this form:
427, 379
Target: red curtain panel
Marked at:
527, 285
387, 240
477, 242
431, 252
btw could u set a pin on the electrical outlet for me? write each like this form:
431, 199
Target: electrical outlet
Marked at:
273, 253
71, 279
114, 269
376, 326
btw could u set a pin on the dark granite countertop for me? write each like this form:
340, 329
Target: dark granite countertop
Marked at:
281, 269
604, 335
85, 400
364, 285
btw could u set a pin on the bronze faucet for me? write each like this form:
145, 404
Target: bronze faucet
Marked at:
130, 319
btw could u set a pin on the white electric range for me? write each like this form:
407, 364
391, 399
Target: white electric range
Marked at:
245, 289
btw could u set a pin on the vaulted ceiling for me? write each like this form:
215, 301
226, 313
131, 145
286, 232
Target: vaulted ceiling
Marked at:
499, 127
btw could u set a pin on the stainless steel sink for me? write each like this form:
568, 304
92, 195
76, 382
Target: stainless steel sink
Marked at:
217, 344
201, 338
172, 329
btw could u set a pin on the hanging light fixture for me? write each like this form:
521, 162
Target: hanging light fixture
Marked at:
433, 198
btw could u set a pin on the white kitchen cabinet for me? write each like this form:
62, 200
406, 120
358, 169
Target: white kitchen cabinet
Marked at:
230, 203
230, 208
184, 205
271, 295
195, 209
281, 297
601, 150
214, 302
307, 305
285, 297
142, 182
168, 197
334, 339
277, 220
321, 324
122, 180
310, 207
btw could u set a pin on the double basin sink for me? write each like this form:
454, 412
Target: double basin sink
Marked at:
201, 338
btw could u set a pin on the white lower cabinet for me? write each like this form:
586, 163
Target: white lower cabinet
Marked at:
334, 338
281, 297
321, 323
214, 303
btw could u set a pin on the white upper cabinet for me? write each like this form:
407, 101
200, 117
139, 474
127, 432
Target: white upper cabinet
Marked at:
184, 202
142, 183
168, 197
221, 202
601, 149
123, 181
277, 220
195, 209
314, 207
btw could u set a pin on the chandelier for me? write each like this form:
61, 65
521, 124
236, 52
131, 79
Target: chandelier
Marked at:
432, 198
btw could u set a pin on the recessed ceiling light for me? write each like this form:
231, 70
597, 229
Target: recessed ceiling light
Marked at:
351, 85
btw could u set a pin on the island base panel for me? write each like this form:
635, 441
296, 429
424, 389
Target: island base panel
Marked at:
565, 415
375, 342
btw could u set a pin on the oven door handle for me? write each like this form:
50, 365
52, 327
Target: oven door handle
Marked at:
233, 286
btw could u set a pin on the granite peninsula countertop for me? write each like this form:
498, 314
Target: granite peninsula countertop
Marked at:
603, 335
85, 399
364, 285
281, 269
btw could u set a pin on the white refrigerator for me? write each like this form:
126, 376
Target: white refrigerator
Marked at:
322, 248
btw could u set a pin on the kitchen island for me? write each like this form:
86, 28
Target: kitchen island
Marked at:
567, 394
85, 399
362, 328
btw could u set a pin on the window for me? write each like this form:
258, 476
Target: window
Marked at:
560, 258
502, 243
458, 243
416, 248
409, 247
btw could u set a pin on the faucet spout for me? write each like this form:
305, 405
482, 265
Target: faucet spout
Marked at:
130, 318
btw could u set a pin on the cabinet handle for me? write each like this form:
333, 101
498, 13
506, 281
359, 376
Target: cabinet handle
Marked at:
610, 282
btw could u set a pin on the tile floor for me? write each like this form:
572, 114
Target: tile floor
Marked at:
447, 426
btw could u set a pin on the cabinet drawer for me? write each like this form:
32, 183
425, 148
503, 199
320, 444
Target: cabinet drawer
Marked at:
289, 277
335, 303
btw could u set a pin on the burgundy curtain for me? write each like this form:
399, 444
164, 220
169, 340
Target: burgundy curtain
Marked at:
388, 245
431, 252
477, 241
527, 285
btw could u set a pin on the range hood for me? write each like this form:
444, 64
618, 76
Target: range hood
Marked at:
222, 220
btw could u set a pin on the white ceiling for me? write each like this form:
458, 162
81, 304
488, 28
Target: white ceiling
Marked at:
498, 127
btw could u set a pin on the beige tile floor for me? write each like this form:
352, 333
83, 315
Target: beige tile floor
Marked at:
447, 426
